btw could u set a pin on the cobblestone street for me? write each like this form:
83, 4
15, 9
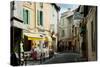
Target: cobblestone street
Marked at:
59, 58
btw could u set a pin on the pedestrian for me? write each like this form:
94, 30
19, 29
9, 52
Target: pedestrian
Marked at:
33, 51
60, 46
67, 46
84, 52
21, 52
15, 60
34, 54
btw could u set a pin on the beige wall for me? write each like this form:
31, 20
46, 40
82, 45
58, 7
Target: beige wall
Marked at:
18, 10
31, 8
47, 11
89, 40
46, 16
66, 26
91, 19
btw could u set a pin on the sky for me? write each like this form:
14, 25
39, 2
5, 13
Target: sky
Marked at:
64, 7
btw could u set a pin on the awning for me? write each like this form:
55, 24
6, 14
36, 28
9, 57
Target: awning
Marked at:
48, 38
32, 36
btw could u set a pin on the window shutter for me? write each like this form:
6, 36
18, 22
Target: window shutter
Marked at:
26, 12
24, 16
38, 17
41, 18
28, 17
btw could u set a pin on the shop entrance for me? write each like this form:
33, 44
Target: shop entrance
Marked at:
15, 44
27, 44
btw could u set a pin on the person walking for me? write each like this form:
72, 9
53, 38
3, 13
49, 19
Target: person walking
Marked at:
33, 51
21, 52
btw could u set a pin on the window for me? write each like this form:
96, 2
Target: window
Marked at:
26, 16
63, 33
52, 27
62, 21
72, 28
40, 18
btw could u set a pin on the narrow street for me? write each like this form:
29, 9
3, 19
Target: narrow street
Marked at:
63, 58
59, 58
49, 33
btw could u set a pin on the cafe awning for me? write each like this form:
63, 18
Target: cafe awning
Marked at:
34, 36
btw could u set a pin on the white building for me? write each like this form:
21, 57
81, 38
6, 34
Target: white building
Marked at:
65, 25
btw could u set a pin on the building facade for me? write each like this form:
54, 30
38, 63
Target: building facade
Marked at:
65, 29
88, 32
33, 24
66, 24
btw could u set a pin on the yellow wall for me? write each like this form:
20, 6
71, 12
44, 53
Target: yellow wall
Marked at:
46, 16
31, 8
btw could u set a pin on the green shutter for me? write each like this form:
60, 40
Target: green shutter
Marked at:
26, 12
24, 16
41, 18
38, 17
21, 14
63, 33
28, 17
